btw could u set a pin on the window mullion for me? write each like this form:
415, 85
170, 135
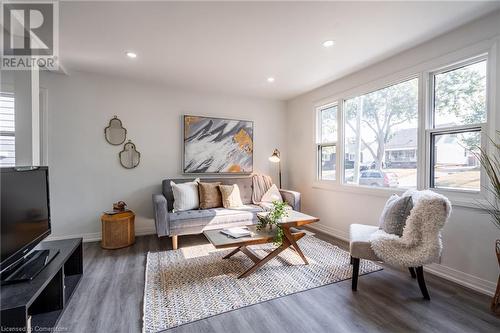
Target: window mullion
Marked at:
423, 100
339, 172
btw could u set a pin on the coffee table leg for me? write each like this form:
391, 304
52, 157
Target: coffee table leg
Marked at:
232, 253
270, 256
250, 254
293, 238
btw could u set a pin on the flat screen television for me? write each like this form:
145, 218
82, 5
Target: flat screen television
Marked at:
25, 214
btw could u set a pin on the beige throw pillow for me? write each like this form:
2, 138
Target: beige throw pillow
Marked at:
230, 196
210, 196
272, 195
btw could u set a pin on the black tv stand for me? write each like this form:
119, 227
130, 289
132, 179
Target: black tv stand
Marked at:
39, 302
29, 266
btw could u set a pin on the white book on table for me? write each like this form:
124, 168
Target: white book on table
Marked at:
236, 232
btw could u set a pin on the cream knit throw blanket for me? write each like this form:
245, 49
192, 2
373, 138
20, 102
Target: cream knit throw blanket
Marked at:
261, 184
420, 243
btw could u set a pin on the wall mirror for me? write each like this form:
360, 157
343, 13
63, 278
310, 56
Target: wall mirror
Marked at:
129, 156
115, 133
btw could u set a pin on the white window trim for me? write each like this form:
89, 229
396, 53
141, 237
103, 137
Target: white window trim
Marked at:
422, 71
9, 90
317, 133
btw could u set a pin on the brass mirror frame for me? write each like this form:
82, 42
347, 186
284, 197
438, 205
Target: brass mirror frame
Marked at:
129, 142
106, 129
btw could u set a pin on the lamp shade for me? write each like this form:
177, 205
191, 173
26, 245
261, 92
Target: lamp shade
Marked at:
275, 157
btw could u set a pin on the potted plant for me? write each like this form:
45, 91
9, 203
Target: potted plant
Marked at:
491, 165
272, 219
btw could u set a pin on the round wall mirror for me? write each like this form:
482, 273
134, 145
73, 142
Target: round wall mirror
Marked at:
129, 156
115, 133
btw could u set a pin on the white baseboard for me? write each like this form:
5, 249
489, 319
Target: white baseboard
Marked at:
470, 281
330, 231
97, 236
445, 272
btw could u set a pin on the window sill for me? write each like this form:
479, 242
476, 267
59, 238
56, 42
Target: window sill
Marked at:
457, 198
358, 189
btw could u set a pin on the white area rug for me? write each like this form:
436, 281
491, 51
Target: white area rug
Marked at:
194, 283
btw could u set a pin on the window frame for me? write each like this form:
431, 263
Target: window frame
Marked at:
487, 50
320, 145
387, 84
11, 134
431, 131
450, 130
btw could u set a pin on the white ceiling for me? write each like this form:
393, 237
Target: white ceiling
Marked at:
232, 47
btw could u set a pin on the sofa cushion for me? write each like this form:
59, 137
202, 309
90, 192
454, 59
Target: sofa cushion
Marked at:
230, 196
360, 245
185, 195
210, 196
247, 210
199, 220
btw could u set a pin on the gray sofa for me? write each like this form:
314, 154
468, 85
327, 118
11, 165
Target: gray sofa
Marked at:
191, 222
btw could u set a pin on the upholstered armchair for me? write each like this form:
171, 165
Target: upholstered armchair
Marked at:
419, 245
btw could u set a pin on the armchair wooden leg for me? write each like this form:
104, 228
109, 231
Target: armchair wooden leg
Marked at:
174, 242
421, 282
412, 272
355, 273
352, 260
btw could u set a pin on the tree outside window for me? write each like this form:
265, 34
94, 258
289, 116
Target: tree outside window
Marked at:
381, 135
459, 110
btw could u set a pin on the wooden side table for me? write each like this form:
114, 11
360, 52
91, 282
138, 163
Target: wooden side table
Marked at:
118, 230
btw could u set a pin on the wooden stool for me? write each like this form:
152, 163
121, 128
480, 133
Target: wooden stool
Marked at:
118, 230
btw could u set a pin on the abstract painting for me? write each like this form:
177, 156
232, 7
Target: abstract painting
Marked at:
216, 145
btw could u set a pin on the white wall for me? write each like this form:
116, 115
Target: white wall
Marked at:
85, 174
468, 237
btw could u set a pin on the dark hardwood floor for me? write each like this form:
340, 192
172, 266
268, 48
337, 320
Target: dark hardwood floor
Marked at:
109, 299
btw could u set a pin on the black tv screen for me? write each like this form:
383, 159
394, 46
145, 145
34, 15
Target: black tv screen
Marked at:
25, 213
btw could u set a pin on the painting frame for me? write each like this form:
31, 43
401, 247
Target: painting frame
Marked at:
244, 147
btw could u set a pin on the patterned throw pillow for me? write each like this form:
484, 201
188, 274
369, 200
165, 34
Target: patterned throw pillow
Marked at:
273, 194
185, 195
230, 196
396, 211
210, 196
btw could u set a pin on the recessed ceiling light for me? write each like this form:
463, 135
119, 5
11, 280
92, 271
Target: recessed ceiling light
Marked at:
328, 43
270, 79
131, 54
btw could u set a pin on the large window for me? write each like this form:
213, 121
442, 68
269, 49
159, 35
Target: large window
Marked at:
380, 137
458, 112
327, 142
7, 130
405, 136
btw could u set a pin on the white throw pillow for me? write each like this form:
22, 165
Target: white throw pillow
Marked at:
186, 195
273, 194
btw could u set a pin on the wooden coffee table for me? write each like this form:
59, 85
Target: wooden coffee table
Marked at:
294, 219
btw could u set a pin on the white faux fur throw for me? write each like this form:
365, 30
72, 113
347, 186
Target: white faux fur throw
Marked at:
420, 243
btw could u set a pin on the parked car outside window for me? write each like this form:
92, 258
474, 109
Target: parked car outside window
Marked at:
378, 178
